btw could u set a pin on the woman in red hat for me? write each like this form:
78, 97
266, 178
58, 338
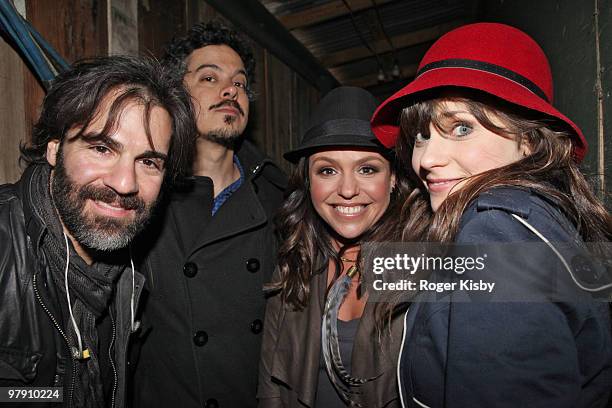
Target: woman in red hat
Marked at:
494, 168
317, 318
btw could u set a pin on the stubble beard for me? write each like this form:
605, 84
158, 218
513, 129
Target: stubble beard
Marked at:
228, 138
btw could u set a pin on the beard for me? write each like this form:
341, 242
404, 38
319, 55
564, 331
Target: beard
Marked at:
96, 231
225, 137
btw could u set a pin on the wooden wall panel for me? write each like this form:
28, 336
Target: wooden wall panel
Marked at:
256, 130
158, 22
198, 11
283, 100
279, 93
75, 28
305, 98
12, 116
79, 28
282, 109
123, 27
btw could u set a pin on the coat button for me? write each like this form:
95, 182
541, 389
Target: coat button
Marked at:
200, 338
190, 269
211, 403
256, 326
252, 265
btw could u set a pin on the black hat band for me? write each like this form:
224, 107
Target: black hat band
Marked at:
486, 67
357, 127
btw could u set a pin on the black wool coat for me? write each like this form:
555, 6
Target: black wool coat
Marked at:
204, 310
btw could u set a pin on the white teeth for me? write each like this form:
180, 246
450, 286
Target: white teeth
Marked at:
349, 210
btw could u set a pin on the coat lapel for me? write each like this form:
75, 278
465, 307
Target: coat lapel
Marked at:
297, 358
241, 212
190, 211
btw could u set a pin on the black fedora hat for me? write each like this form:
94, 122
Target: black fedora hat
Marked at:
342, 119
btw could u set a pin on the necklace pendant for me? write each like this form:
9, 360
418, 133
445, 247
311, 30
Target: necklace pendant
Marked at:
352, 271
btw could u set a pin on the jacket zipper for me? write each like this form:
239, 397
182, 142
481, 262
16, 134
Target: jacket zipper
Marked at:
57, 326
110, 356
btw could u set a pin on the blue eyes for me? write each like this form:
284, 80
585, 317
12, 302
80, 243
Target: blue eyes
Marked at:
462, 130
458, 131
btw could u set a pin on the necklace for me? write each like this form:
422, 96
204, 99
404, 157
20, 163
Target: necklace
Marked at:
353, 269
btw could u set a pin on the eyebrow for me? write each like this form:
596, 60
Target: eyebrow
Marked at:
218, 68
449, 113
152, 154
445, 118
360, 161
213, 66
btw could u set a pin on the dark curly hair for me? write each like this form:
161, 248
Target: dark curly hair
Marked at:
211, 33
75, 97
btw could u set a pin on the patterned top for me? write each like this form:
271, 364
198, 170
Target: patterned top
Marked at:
229, 190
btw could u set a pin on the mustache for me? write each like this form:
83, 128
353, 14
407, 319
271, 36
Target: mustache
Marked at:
108, 196
228, 102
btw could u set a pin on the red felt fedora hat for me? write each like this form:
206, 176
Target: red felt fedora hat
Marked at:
490, 57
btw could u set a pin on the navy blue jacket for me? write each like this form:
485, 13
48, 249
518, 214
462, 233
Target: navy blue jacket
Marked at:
510, 354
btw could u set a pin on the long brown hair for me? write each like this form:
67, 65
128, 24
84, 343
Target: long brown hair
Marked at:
550, 170
306, 240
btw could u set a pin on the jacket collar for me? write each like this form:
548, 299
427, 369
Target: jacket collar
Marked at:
35, 226
244, 210
257, 164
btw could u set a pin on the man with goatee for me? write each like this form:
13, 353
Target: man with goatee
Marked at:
111, 131
203, 318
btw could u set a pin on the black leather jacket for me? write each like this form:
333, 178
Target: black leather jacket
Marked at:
34, 350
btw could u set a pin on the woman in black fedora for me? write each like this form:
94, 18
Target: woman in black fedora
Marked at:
344, 183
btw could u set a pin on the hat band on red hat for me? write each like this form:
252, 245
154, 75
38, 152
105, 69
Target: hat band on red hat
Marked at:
486, 67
